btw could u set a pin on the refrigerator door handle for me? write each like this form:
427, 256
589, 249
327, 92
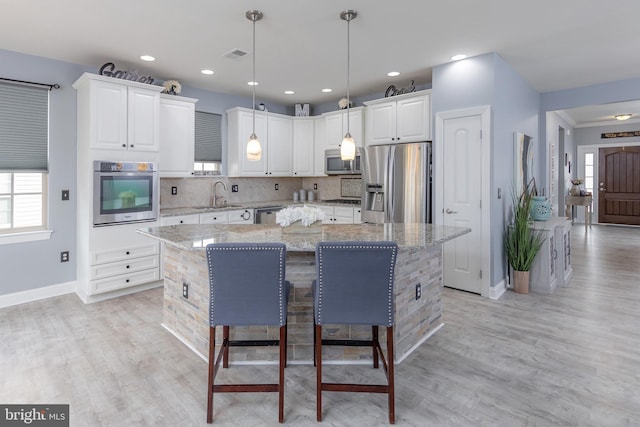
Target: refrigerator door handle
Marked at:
389, 209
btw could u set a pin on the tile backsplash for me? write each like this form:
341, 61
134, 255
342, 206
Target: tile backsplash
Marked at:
198, 191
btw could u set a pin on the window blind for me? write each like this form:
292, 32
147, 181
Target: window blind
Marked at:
208, 137
24, 123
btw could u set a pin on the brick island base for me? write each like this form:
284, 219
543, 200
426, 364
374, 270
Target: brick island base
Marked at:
416, 320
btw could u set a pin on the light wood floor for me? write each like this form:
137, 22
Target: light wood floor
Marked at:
570, 359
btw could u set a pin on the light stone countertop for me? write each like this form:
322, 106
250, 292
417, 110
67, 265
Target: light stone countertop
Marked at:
198, 236
189, 210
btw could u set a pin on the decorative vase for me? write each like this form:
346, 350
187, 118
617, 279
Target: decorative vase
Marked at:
299, 228
574, 190
521, 282
540, 208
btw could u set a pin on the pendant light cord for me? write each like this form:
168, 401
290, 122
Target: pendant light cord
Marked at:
348, 66
253, 106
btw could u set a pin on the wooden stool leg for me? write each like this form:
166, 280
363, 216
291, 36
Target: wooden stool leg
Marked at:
390, 376
318, 356
225, 339
375, 344
212, 362
283, 363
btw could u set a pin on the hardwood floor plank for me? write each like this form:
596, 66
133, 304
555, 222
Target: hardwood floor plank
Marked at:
568, 359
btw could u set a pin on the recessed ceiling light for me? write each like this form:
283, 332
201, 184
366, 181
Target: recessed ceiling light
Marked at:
147, 58
207, 72
252, 83
623, 116
393, 73
458, 57
327, 90
289, 92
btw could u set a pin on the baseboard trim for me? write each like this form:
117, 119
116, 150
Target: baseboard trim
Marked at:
37, 294
497, 291
419, 343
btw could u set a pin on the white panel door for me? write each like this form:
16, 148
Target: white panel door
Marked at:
462, 202
143, 120
280, 146
108, 116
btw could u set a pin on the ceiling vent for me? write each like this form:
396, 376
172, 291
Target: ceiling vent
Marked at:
235, 54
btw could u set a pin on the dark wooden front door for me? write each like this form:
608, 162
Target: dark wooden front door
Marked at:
619, 185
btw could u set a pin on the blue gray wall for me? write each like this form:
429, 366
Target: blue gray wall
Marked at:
591, 135
488, 80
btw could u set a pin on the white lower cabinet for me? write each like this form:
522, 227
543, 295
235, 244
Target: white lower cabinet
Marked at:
124, 267
180, 219
240, 216
219, 217
339, 214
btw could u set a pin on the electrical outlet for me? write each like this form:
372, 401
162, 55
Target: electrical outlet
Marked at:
185, 290
234, 188
315, 186
277, 187
174, 191
64, 256
418, 291
65, 194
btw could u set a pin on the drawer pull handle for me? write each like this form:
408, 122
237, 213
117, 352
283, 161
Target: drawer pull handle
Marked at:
127, 280
128, 266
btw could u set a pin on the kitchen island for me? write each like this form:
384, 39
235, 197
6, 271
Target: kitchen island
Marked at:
418, 285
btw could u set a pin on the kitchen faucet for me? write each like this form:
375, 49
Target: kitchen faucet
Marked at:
214, 197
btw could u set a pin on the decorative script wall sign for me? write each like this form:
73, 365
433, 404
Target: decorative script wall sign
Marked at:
109, 70
620, 134
392, 90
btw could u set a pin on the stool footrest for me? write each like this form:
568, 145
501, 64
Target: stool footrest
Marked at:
253, 343
365, 388
349, 343
245, 388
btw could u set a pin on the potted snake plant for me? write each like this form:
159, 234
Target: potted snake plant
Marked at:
521, 241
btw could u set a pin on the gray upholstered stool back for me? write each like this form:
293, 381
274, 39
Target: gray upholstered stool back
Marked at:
246, 284
354, 283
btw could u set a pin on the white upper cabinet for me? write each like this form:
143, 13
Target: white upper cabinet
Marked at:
404, 118
336, 127
279, 146
303, 147
177, 139
275, 133
143, 119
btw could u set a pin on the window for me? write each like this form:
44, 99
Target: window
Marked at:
208, 146
24, 152
588, 172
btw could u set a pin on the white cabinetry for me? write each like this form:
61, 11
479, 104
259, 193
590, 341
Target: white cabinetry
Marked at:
120, 115
177, 136
339, 214
336, 127
319, 145
405, 118
552, 265
241, 216
303, 146
275, 133
180, 219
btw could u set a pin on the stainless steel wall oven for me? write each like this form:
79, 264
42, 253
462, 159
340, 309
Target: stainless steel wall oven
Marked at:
124, 192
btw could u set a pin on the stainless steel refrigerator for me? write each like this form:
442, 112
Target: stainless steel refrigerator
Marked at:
397, 183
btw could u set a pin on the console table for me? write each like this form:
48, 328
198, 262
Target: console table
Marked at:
586, 201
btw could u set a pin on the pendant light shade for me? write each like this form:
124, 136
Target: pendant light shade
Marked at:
254, 148
348, 146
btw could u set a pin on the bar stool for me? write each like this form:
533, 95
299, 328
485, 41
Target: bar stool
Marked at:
247, 287
354, 286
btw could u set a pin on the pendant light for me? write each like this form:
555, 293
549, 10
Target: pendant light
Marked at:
254, 149
348, 146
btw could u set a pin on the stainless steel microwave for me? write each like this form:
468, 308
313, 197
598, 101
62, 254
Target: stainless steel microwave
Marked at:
334, 165
124, 192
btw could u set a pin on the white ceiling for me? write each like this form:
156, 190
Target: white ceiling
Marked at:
301, 45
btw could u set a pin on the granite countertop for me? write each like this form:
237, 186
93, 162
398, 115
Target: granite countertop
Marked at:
198, 236
189, 210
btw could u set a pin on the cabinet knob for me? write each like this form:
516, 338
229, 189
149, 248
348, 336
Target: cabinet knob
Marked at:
181, 222
131, 146
128, 266
127, 280
124, 145
127, 253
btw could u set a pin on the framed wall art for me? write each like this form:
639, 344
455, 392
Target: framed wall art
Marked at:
523, 161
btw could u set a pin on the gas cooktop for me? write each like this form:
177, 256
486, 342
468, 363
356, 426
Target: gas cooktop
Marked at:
344, 201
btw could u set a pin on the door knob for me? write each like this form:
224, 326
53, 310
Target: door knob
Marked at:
449, 211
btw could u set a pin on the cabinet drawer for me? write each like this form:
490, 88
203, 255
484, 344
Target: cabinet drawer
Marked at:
121, 254
180, 219
214, 218
123, 281
101, 271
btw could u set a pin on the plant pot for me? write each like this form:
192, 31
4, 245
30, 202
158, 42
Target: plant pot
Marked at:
540, 208
521, 282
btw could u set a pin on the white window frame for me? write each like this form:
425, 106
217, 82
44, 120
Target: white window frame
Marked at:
27, 234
